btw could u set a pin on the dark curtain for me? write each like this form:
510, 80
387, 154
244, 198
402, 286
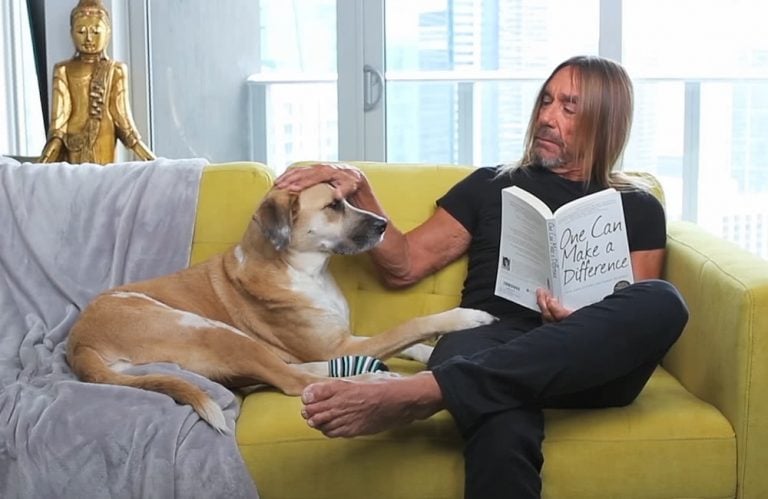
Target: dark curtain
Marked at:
36, 9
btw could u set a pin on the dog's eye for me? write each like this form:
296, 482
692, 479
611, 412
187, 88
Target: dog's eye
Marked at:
335, 205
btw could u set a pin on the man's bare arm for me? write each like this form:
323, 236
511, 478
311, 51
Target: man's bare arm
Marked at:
647, 264
407, 258
402, 259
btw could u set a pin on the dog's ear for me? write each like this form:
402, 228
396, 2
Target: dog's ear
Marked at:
275, 216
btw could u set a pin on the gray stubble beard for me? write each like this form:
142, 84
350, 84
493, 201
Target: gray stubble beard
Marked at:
550, 163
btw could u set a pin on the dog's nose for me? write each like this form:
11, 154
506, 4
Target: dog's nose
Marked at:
380, 224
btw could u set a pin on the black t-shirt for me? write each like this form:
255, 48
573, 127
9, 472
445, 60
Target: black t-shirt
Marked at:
475, 202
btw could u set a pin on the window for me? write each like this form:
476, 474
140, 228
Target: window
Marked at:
462, 75
21, 127
454, 81
701, 115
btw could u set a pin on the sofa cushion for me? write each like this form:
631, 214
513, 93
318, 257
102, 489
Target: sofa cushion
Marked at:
641, 451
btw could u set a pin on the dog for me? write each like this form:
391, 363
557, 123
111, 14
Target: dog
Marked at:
266, 312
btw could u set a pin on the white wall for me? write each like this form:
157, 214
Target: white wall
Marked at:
202, 54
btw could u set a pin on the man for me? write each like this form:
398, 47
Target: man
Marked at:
496, 379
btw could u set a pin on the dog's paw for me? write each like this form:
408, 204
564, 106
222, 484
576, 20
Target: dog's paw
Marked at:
418, 352
467, 318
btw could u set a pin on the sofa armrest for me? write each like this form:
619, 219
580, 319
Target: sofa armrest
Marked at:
722, 356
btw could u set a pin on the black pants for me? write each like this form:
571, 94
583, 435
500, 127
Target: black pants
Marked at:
496, 379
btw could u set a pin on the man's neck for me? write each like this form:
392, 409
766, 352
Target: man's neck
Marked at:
570, 171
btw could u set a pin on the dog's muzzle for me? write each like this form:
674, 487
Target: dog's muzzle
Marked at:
368, 233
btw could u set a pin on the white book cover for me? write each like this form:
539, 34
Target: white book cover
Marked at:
579, 253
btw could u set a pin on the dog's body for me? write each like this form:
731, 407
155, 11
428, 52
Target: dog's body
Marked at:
265, 312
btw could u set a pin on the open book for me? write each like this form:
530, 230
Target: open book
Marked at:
579, 252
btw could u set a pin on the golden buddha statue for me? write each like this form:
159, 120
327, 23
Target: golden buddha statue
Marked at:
90, 107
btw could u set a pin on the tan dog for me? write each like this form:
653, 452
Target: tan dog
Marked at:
265, 312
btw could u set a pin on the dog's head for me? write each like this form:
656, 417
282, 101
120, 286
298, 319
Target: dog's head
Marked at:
314, 220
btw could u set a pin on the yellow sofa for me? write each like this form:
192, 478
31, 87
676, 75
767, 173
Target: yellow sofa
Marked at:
698, 430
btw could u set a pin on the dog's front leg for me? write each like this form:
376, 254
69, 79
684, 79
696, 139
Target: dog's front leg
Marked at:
388, 343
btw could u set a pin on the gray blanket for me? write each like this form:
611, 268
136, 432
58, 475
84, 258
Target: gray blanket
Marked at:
66, 233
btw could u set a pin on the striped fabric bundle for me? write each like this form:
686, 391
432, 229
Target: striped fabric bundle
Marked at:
350, 365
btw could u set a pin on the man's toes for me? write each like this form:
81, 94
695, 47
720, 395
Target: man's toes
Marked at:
314, 392
321, 390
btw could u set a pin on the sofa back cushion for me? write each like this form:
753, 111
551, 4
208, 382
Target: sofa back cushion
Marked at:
229, 194
407, 193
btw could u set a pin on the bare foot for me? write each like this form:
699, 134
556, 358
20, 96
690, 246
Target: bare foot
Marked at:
347, 408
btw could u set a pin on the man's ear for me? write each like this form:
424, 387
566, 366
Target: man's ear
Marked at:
275, 217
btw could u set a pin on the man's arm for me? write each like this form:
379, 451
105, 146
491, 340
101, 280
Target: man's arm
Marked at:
407, 258
647, 264
402, 259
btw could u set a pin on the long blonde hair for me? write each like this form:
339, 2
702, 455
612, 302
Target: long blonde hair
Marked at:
603, 121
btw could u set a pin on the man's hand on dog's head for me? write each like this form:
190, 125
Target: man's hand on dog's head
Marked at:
347, 179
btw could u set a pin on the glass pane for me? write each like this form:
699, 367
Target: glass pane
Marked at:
429, 35
733, 178
298, 36
500, 50
207, 56
718, 49
298, 41
705, 39
656, 142
480, 123
301, 123
424, 125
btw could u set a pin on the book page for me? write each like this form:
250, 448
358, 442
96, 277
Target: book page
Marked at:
523, 250
592, 251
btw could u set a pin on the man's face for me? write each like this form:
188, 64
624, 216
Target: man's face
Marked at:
555, 124
90, 34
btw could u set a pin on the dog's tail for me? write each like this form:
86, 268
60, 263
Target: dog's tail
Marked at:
90, 366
